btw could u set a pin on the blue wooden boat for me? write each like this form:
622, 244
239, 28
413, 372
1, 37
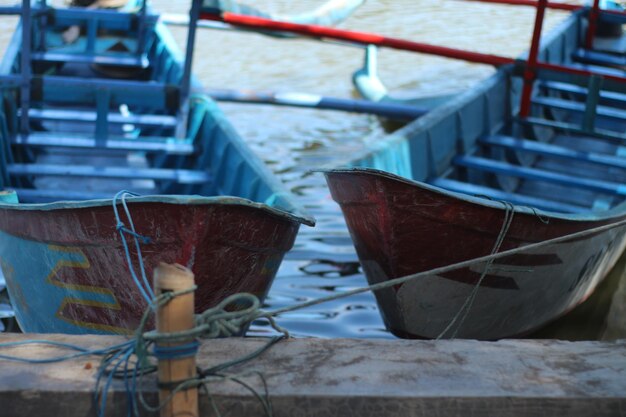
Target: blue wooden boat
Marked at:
476, 176
111, 110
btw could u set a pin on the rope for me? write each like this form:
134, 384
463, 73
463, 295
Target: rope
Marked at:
144, 287
469, 301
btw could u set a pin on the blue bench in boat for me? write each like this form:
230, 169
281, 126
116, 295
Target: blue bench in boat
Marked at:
98, 59
553, 151
182, 176
608, 98
599, 58
143, 144
71, 90
142, 120
605, 134
495, 194
561, 104
534, 174
84, 49
543, 74
104, 95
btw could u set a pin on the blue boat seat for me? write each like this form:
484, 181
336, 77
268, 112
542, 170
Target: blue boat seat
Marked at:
142, 120
140, 61
181, 176
534, 174
553, 151
608, 98
143, 144
72, 90
605, 134
598, 58
495, 194
582, 80
577, 107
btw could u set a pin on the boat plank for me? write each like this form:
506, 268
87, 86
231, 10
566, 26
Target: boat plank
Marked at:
144, 144
504, 168
553, 151
183, 176
515, 198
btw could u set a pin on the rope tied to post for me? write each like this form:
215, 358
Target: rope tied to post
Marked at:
144, 287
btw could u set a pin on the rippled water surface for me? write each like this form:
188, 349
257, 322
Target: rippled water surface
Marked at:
295, 141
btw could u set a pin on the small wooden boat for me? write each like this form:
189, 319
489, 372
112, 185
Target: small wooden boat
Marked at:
111, 111
451, 185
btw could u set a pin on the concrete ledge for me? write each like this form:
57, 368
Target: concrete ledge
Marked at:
341, 377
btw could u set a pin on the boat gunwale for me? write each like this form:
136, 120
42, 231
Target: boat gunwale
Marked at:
174, 199
614, 214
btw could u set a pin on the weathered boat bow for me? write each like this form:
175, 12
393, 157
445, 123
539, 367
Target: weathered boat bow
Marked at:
401, 227
111, 111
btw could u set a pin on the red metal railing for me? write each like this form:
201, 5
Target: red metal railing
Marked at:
365, 38
593, 20
531, 65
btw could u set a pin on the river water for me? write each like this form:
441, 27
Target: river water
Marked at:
293, 142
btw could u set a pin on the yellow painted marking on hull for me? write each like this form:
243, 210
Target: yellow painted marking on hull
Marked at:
89, 325
82, 263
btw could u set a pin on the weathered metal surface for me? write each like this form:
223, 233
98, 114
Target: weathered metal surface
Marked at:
342, 377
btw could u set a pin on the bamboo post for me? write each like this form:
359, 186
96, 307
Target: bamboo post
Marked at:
175, 316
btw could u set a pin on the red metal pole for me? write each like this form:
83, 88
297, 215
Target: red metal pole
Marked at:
529, 71
358, 37
591, 27
374, 39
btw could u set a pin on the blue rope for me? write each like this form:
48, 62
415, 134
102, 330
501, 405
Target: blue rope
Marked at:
176, 352
143, 285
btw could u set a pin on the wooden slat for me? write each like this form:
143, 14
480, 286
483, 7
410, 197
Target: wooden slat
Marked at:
123, 61
534, 174
599, 58
612, 81
608, 98
603, 134
579, 107
150, 144
553, 151
495, 194
183, 176
147, 120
